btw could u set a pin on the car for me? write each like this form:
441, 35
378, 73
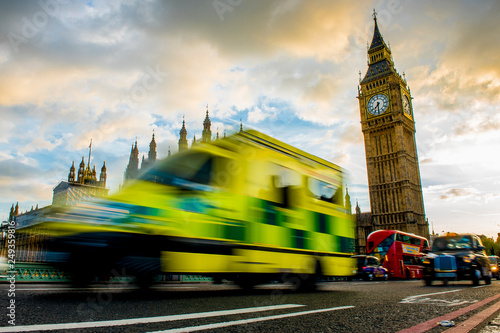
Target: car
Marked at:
494, 262
369, 268
456, 257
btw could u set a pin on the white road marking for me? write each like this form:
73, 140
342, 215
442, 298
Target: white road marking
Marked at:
418, 299
248, 321
146, 320
441, 292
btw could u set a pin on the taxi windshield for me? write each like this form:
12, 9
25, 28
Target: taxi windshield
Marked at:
461, 242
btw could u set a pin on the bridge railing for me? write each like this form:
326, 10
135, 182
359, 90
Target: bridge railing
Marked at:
40, 272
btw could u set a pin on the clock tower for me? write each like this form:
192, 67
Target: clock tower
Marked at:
387, 122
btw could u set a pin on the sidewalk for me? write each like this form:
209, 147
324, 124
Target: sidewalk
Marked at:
479, 319
493, 326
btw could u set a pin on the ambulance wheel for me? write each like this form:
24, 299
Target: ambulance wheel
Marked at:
80, 271
302, 282
245, 282
145, 280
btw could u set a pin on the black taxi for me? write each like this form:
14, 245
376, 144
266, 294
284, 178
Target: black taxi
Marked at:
457, 257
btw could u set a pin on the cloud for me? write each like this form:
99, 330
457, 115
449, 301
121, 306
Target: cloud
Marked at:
114, 71
458, 193
13, 169
477, 123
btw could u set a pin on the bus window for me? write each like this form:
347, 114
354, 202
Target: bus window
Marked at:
385, 245
407, 239
412, 260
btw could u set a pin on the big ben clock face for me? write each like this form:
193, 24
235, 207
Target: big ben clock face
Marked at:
406, 105
378, 104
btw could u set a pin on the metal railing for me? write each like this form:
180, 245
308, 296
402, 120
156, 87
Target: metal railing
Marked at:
40, 272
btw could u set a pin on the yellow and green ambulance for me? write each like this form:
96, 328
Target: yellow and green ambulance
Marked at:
247, 208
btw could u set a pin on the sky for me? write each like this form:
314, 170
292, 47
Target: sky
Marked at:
117, 71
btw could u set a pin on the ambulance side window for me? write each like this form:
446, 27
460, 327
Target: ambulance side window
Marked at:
224, 172
202, 175
324, 191
285, 181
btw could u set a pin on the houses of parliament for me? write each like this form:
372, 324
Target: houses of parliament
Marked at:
388, 127
133, 169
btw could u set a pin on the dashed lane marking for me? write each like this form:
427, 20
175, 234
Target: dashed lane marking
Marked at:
249, 321
146, 320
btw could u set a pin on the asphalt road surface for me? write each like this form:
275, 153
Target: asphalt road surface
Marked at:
357, 306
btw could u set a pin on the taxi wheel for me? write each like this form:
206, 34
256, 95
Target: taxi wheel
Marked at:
476, 274
487, 279
428, 281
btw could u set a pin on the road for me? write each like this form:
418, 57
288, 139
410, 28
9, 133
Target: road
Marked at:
356, 306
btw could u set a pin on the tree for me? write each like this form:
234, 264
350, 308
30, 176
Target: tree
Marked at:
490, 247
496, 246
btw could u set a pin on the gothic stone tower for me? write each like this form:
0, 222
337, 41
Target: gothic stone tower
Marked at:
391, 153
183, 144
133, 164
206, 135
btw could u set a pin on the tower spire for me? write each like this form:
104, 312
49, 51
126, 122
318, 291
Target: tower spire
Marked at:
380, 62
206, 135
90, 151
152, 150
183, 144
133, 163
377, 40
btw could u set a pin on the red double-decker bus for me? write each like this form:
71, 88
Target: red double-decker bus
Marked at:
399, 252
